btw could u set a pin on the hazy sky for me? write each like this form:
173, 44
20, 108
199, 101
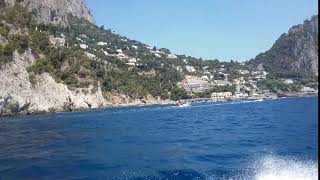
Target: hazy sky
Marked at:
222, 29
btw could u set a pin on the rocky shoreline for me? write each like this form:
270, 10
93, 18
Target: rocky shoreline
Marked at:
279, 96
23, 110
8, 107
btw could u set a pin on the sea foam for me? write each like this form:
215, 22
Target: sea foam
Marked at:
280, 168
272, 168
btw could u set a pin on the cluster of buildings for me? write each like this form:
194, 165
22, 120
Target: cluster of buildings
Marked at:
162, 52
194, 84
117, 52
308, 90
198, 80
245, 84
221, 96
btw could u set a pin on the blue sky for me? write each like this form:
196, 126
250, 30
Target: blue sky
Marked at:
223, 29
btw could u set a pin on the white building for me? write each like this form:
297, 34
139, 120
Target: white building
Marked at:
221, 95
106, 53
243, 72
172, 56
119, 51
185, 61
132, 62
89, 55
194, 83
79, 39
221, 83
191, 69
239, 94
239, 81
84, 36
122, 56
222, 68
288, 81
205, 78
179, 68
84, 46
308, 90
57, 41
157, 55
102, 43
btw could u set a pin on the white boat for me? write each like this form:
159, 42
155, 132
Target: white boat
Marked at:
184, 105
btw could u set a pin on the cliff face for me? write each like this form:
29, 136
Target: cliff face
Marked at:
295, 51
18, 94
55, 11
306, 49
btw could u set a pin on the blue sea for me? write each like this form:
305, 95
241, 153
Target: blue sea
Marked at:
268, 140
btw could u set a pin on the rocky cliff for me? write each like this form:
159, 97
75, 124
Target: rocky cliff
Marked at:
54, 11
18, 94
295, 52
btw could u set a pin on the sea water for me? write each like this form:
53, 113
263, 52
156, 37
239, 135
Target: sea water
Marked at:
268, 140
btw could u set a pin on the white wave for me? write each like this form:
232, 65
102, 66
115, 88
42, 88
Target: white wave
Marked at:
273, 168
279, 168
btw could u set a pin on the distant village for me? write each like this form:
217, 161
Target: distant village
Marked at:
195, 80
245, 89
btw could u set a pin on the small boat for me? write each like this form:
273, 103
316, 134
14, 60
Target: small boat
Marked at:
183, 104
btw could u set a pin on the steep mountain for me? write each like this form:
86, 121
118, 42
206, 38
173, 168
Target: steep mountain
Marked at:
52, 68
295, 53
54, 11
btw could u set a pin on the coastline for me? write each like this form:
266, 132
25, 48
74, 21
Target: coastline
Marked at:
163, 103
90, 109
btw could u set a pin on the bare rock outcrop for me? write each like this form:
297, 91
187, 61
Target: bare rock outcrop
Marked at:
3, 40
19, 95
123, 100
295, 52
55, 11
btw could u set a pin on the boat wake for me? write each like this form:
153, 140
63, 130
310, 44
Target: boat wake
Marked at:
268, 168
274, 168
278, 168
183, 106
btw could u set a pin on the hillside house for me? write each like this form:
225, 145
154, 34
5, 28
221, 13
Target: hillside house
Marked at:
221, 96
194, 84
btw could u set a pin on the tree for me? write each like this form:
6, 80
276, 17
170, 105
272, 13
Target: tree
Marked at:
178, 93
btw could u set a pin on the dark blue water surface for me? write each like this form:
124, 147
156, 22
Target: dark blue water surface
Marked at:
240, 140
